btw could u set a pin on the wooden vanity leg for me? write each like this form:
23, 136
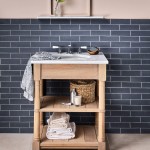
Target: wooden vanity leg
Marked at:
36, 140
41, 113
101, 126
101, 116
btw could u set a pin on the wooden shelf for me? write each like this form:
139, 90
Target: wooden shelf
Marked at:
86, 137
54, 104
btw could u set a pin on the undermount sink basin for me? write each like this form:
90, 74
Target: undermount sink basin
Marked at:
72, 56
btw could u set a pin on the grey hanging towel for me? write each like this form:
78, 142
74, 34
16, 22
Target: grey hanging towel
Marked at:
27, 81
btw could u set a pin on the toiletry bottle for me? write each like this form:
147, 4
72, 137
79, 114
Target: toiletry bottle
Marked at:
72, 95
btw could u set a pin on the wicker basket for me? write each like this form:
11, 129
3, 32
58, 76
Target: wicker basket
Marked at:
84, 88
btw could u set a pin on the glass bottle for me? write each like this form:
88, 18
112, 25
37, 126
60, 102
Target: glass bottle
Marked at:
58, 10
72, 95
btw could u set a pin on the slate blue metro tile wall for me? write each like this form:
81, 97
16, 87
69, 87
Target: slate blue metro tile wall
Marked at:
125, 43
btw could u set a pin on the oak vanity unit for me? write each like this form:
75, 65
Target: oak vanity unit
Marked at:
90, 67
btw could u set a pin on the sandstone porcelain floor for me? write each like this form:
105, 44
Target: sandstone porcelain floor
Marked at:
114, 141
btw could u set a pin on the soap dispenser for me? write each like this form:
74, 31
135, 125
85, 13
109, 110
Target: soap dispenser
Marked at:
72, 95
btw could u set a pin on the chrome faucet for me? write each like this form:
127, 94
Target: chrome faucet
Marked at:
69, 50
82, 47
57, 47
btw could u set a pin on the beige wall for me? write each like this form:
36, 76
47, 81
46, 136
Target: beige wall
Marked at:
23, 8
124, 8
107, 8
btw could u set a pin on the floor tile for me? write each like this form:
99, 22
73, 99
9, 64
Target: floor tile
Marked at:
15, 141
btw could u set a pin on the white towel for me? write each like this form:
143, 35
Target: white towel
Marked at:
58, 120
27, 80
58, 117
62, 135
59, 125
62, 130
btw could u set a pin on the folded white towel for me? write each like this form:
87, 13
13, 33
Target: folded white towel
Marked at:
62, 135
70, 128
58, 125
58, 117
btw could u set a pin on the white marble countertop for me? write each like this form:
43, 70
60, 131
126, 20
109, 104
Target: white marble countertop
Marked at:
83, 58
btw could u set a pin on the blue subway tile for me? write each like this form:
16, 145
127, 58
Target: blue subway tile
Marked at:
19, 113
40, 32
40, 44
130, 61
109, 51
131, 108
100, 44
131, 84
100, 33
132, 131
40, 21
140, 67
4, 21
109, 38
140, 44
146, 39
121, 56
9, 130
69, 27
120, 125
100, 21
140, 33
20, 21
53, 33
89, 38
20, 32
4, 44
130, 73
69, 38
10, 107
129, 50
80, 33
80, 21
29, 38
9, 27
120, 21
9, 38
4, 33
49, 38
109, 27
130, 119
140, 21
20, 44
120, 102
144, 27
120, 44
129, 27
10, 61
120, 33
60, 21
29, 27
89, 27
140, 56
129, 38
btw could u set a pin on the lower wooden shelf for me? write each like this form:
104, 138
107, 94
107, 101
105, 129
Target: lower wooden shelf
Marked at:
86, 138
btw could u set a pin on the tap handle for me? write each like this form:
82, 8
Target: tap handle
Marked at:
83, 47
54, 47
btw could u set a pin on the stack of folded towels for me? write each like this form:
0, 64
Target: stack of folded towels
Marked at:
59, 127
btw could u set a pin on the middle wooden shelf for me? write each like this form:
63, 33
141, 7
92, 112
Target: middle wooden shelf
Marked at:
54, 104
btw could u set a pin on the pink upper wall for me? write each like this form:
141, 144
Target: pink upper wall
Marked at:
130, 9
